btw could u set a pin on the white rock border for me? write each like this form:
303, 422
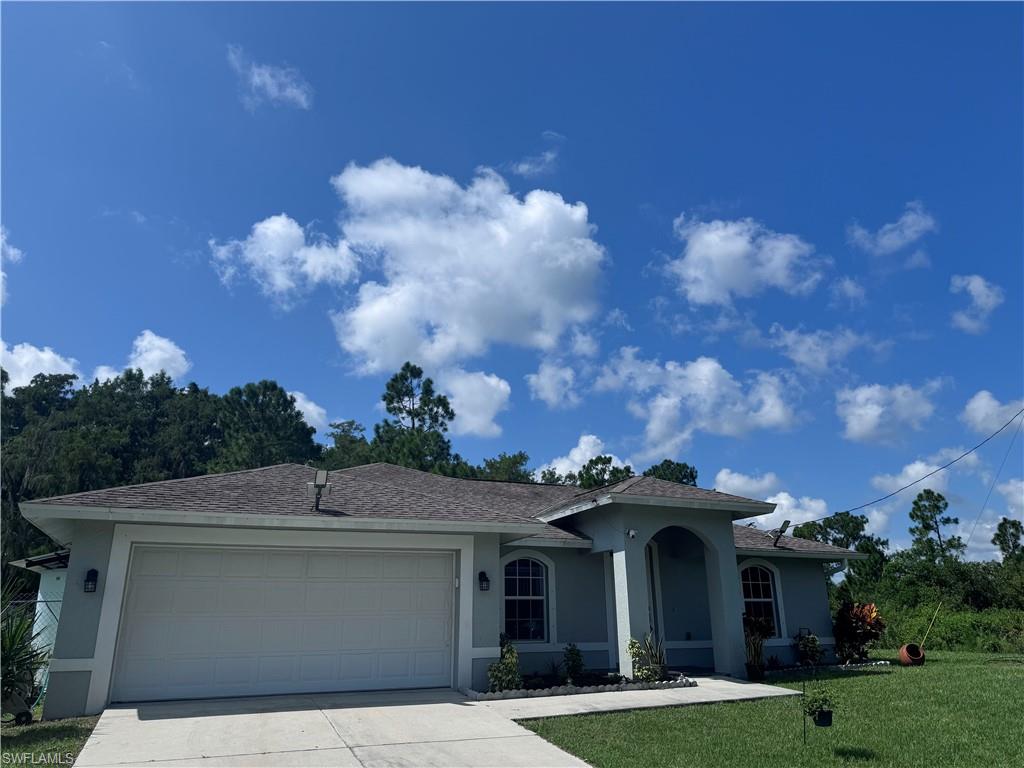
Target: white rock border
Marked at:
860, 665
569, 690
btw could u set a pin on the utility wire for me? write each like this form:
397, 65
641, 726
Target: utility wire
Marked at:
993, 483
933, 472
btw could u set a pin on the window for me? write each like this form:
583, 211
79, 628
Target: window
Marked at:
759, 595
526, 592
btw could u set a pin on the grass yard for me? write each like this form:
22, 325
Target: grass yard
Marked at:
43, 742
963, 709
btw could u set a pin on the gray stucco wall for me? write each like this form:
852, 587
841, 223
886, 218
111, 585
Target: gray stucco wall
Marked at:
66, 695
79, 618
80, 611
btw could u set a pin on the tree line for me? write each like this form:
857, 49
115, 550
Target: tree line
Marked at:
58, 437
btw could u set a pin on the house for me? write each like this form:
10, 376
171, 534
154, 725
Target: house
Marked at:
241, 584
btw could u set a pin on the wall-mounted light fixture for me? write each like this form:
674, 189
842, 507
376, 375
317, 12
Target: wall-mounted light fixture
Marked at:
92, 577
631, 532
485, 583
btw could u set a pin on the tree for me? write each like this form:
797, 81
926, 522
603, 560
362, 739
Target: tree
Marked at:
674, 472
261, 426
600, 471
415, 437
412, 401
849, 531
928, 512
507, 466
1008, 537
350, 449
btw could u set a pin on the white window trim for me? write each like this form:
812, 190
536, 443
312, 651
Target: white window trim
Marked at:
551, 636
125, 536
783, 634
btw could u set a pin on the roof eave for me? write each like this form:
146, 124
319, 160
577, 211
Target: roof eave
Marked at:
43, 516
739, 510
826, 556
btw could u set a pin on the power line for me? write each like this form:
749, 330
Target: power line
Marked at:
992, 485
933, 472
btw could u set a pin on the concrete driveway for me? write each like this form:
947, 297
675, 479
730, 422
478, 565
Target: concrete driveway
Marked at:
376, 730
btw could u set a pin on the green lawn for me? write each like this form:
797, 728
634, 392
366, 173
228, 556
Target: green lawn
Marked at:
45, 741
963, 709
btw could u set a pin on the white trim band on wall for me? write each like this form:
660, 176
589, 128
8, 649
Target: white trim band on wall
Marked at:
71, 665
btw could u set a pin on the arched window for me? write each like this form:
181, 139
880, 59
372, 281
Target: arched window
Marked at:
759, 595
526, 600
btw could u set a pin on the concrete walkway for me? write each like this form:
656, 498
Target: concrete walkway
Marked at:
369, 730
708, 691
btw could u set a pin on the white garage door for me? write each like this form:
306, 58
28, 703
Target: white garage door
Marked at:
203, 622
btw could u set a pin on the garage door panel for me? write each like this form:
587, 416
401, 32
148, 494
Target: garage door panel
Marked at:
195, 596
228, 622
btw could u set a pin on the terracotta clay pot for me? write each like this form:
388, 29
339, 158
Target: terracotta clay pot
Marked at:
911, 655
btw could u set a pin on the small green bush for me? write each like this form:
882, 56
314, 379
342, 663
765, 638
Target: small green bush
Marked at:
504, 674
808, 650
817, 699
572, 661
648, 659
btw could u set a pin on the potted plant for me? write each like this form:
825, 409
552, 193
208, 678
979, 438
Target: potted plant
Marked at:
818, 706
756, 631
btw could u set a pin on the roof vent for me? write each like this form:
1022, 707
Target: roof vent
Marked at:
318, 487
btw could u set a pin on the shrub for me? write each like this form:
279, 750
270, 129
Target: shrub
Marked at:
856, 626
648, 658
755, 632
808, 650
818, 699
572, 661
21, 658
994, 630
504, 674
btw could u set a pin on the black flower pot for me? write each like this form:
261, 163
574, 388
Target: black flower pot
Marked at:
755, 672
823, 718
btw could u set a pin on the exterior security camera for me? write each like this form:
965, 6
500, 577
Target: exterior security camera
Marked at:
631, 533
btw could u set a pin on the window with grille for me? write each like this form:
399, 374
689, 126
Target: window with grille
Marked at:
759, 595
526, 586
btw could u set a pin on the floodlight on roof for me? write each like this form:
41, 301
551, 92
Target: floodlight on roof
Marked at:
318, 487
778, 533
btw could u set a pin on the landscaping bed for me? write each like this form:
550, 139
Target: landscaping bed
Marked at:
568, 690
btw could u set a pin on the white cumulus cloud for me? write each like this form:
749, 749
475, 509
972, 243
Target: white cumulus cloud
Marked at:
462, 267
23, 361
152, 354
789, 507
554, 384
679, 399
280, 86
314, 414
912, 225
816, 351
846, 290
751, 486
586, 448
724, 260
876, 412
477, 398
283, 260
984, 298
984, 414
1012, 492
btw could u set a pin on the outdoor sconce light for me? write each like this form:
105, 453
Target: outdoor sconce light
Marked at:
485, 583
92, 576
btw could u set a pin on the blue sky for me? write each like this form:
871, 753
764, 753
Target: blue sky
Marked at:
783, 243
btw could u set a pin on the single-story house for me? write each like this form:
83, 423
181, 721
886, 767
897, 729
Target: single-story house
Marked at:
241, 584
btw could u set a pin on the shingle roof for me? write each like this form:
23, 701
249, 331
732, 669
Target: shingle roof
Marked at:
639, 485
387, 491
752, 538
